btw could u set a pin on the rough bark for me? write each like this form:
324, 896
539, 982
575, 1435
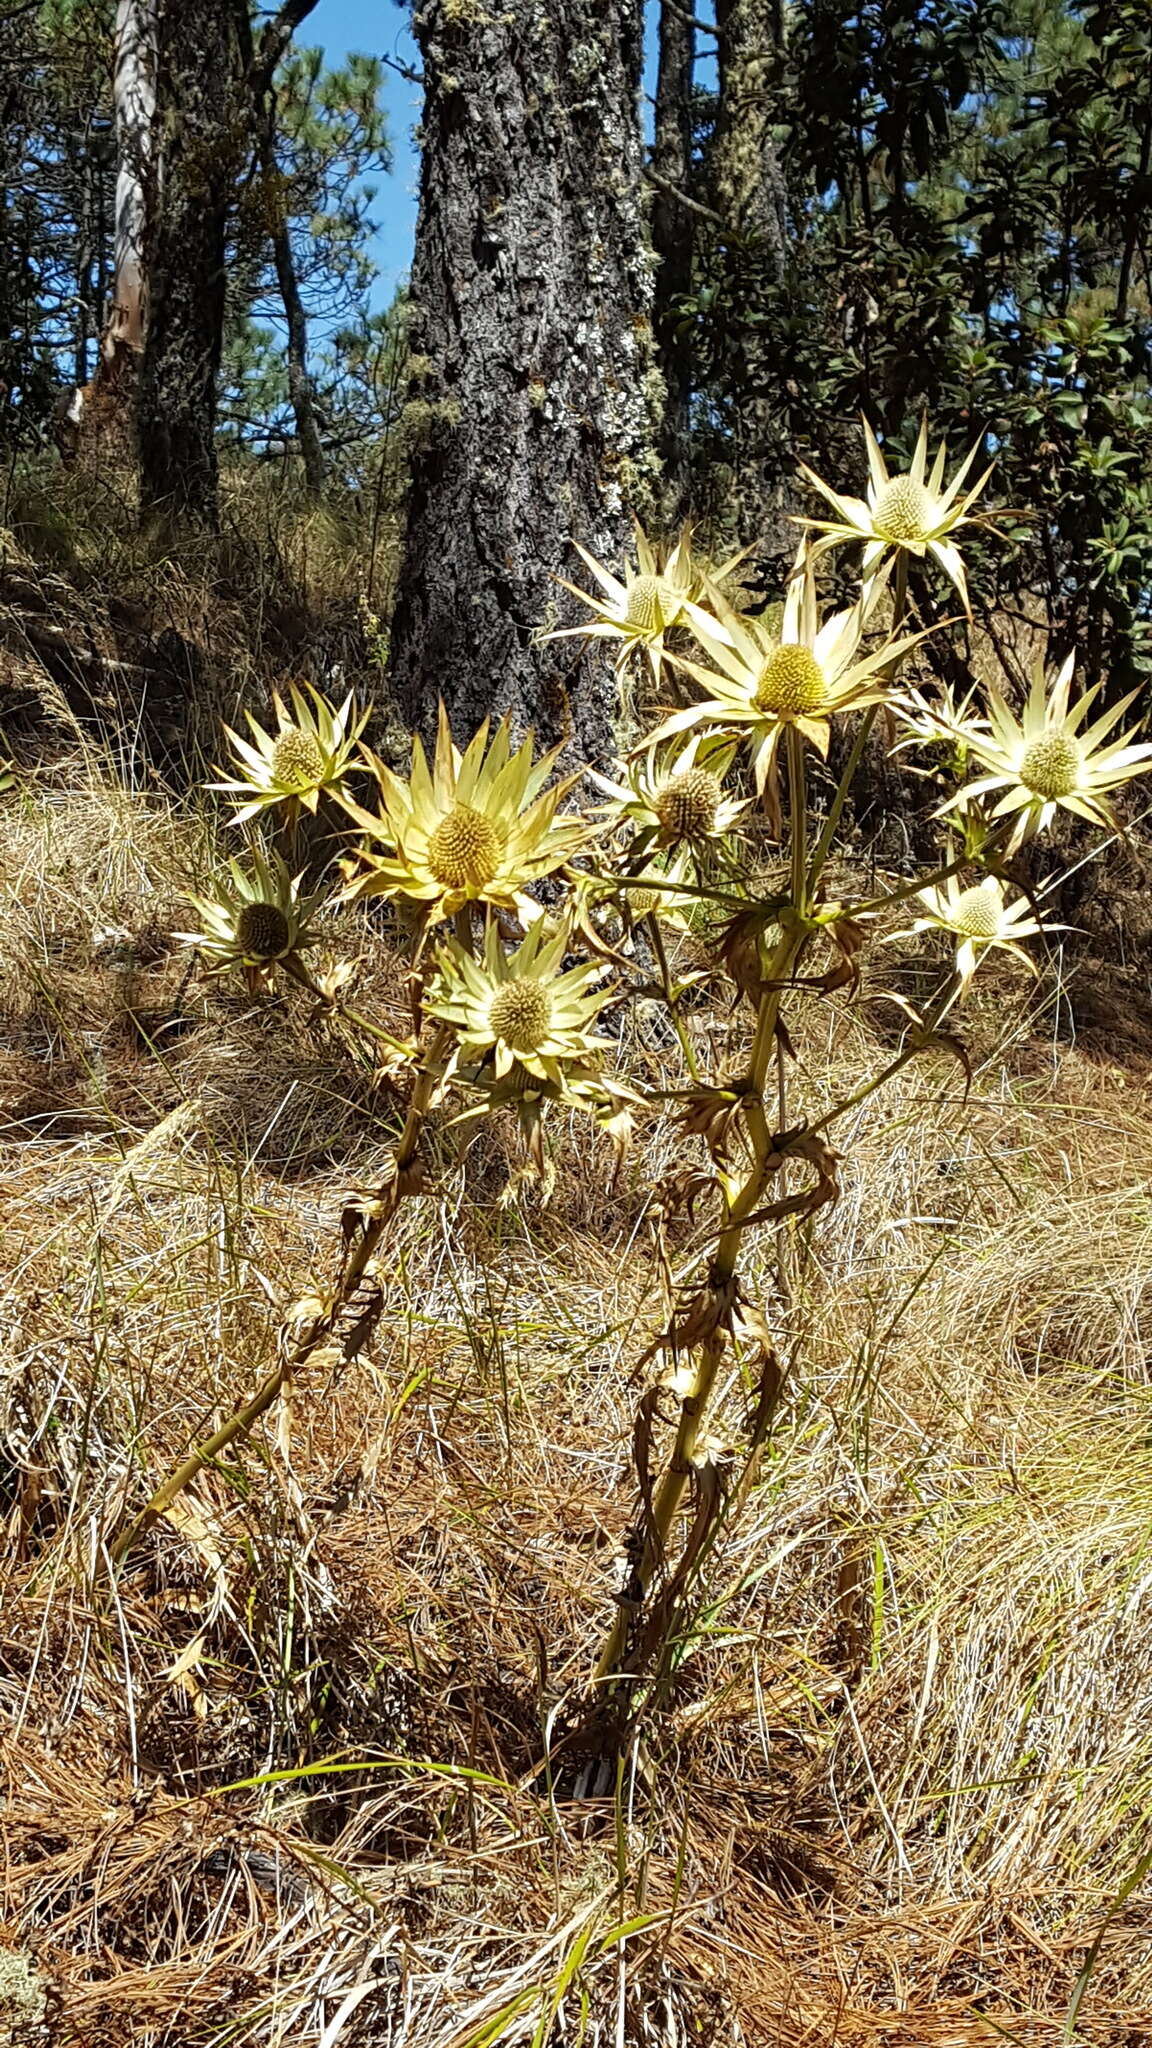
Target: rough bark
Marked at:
96, 420
202, 136
14, 119
134, 95
749, 195
672, 227
529, 413
747, 181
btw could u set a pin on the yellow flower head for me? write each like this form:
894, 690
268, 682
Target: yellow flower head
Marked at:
1048, 761
311, 750
638, 609
652, 892
680, 801
520, 1010
476, 827
979, 919
802, 675
916, 513
254, 920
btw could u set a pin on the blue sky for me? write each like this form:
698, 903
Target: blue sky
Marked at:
380, 27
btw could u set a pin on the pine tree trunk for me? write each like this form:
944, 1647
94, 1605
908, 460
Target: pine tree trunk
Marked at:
134, 93
672, 228
747, 181
203, 133
103, 413
299, 382
749, 194
531, 358
261, 69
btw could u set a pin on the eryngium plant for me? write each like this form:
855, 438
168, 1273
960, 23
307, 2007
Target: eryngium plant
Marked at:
531, 917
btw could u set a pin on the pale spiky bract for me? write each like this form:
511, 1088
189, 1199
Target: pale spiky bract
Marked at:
255, 919
1048, 760
804, 675
666, 589
312, 750
980, 919
476, 827
521, 1009
916, 513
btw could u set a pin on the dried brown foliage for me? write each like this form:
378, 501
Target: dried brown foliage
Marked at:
299, 1774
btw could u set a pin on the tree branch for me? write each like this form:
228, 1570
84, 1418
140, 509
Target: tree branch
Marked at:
405, 70
274, 41
706, 28
672, 191
1132, 237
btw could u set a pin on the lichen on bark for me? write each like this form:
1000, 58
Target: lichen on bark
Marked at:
531, 408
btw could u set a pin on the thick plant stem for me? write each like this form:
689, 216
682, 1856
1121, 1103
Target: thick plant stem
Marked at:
319, 1330
836, 807
694, 1402
236, 1425
798, 822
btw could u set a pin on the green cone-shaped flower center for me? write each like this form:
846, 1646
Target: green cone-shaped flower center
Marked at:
791, 683
903, 510
649, 607
660, 902
263, 931
979, 911
1050, 766
687, 804
521, 1014
466, 849
297, 762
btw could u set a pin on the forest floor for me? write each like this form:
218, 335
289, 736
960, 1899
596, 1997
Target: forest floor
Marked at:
296, 1773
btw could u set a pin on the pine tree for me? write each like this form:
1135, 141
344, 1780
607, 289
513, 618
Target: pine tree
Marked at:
673, 223
202, 140
530, 359
320, 137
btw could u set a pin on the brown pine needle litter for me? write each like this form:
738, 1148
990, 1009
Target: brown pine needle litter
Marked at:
299, 1774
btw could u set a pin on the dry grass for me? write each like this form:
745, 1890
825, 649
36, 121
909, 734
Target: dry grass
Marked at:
299, 1776
144, 644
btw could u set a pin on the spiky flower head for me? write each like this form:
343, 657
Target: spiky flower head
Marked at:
979, 918
802, 674
651, 604
297, 761
1048, 760
311, 750
255, 919
476, 827
791, 682
916, 512
687, 805
665, 589
678, 800
943, 715
520, 1009
654, 891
